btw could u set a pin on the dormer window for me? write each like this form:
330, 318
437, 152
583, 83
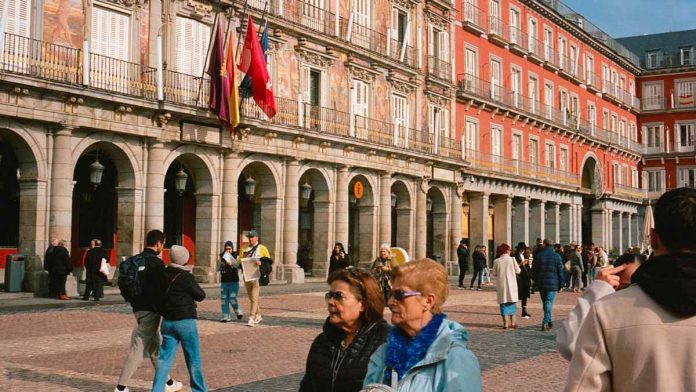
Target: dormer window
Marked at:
651, 59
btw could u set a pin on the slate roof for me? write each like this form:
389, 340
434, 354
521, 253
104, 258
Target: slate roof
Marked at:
664, 42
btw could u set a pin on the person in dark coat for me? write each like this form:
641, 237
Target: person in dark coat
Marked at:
549, 278
60, 267
48, 267
95, 278
338, 358
339, 258
524, 278
229, 283
179, 324
479, 264
462, 260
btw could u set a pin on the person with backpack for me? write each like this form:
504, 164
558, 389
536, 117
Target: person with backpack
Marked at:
254, 250
229, 283
141, 279
178, 309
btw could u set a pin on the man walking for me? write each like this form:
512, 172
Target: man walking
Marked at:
463, 260
643, 337
548, 277
95, 279
146, 339
253, 250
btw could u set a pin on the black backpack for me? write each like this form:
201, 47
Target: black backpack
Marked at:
266, 268
128, 277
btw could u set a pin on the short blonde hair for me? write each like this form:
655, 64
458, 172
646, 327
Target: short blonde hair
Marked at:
426, 276
386, 247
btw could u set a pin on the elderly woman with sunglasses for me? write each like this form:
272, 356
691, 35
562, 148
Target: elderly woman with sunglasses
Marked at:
425, 351
338, 358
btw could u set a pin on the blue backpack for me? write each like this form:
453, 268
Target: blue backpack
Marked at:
128, 277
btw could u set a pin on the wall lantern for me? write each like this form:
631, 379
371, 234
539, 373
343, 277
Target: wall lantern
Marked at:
393, 200
429, 205
305, 191
512, 211
351, 199
250, 187
491, 209
180, 181
96, 170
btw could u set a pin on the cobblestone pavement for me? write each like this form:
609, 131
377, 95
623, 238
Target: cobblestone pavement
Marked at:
82, 348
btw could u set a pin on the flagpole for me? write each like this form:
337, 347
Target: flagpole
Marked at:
207, 55
239, 34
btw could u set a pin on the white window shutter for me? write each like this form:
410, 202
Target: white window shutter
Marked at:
18, 17
306, 83
444, 47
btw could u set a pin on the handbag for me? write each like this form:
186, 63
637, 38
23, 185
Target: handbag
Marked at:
566, 266
104, 268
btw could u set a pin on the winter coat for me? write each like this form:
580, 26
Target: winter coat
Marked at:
524, 278
228, 273
93, 260
335, 263
548, 270
353, 366
506, 269
575, 261
61, 264
448, 366
152, 283
463, 257
479, 260
180, 296
641, 337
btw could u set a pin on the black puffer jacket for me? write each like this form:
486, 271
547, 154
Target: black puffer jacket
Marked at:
180, 295
352, 367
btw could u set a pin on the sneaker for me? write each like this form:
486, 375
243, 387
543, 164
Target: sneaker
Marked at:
258, 319
251, 323
121, 390
239, 316
225, 320
176, 386
526, 316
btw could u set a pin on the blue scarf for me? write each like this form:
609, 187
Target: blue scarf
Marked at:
404, 352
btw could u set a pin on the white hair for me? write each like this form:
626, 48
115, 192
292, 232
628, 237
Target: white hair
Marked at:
385, 246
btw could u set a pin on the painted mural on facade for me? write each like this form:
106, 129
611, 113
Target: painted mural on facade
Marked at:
144, 15
64, 22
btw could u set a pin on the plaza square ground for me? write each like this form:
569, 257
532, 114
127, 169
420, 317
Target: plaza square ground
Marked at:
80, 346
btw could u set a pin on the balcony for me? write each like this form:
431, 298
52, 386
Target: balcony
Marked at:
42, 60
518, 41
657, 60
591, 81
497, 31
364, 37
570, 68
653, 103
514, 167
629, 192
439, 68
402, 53
535, 50
470, 87
550, 58
473, 18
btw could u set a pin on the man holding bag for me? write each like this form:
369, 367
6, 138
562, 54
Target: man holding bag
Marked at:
94, 258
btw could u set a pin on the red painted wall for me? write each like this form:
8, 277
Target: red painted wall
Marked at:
3, 255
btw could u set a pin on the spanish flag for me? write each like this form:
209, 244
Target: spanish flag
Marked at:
232, 89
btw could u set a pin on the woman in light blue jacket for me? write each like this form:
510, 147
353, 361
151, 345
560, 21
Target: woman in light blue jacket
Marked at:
425, 351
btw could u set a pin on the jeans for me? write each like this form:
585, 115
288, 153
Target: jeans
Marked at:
547, 298
228, 296
576, 276
462, 272
174, 332
477, 274
486, 275
145, 343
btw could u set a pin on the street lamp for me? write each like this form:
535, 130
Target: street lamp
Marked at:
250, 187
96, 170
305, 191
180, 181
429, 205
393, 200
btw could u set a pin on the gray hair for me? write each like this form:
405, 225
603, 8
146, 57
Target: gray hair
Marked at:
386, 247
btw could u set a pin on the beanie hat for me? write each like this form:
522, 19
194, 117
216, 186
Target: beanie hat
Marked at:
179, 256
229, 244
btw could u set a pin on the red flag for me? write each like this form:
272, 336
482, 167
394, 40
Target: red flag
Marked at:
253, 63
215, 68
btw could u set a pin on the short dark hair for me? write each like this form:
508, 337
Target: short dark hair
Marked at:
365, 287
675, 219
547, 242
153, 237
627, 258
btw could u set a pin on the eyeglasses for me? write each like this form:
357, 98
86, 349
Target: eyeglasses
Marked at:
401, 295
336, 296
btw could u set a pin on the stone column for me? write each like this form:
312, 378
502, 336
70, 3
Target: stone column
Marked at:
456, 227
32, 223
599, 227
421, 219
520, 224
478, 216
60, 221
320, 238
617, 231
230, 199
628, 228
556, 211
293, 273
342, 209
154, 196
551, 221
578, 223
537, 221
385, 208
502, 221
206, 237
565, 224
128, 243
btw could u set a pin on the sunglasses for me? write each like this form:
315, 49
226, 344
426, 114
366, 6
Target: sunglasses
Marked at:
335, 295
401, 295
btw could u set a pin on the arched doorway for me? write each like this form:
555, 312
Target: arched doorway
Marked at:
361, 220
9, 201
94, 203
436, 213
258, 206
591, 183
313, 228
401, 212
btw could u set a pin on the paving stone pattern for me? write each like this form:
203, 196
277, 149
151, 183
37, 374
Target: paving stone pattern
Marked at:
82, 348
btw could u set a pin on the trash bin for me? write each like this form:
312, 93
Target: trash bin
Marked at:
14, 272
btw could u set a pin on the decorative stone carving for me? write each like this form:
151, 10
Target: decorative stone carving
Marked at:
269, 136
72, 103
297, 141
126, 3
121, 111
423, 184
347, 150
400, 85
161, 119
437, 100
198, 8
459, 190
438, 21
597, 182
323, 146
406, 4
314, 57
361, 73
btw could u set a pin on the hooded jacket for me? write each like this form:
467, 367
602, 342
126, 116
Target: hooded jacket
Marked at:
353, 365
643, 337
448, 365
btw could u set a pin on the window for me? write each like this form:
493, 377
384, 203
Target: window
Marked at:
686, 55
616, 172
516, 86
624, 175
634, 178
687, 177
515, 26
470, 11
438, 48
563, 159
562, 52
192, 39
533, 91
685, 137
360, 34
311, 84
533, 151
312, 14
516, 146
438, 121
563, 105
400, 119
532, 34
400, 33
605, 119
496, 25
471, 60
651, 59
471, 135
548, 44
652, 96
496, 79
656, 180
591, 116
606, 78
550, 155
653, 135
496, 143
361, 95
548, 99
589, 71
622, 128
574, 60
685, 93
110, 38
18, 19
613, 123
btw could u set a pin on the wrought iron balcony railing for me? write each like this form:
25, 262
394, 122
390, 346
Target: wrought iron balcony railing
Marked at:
499, 164
439, 68
42, 60
472, 15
